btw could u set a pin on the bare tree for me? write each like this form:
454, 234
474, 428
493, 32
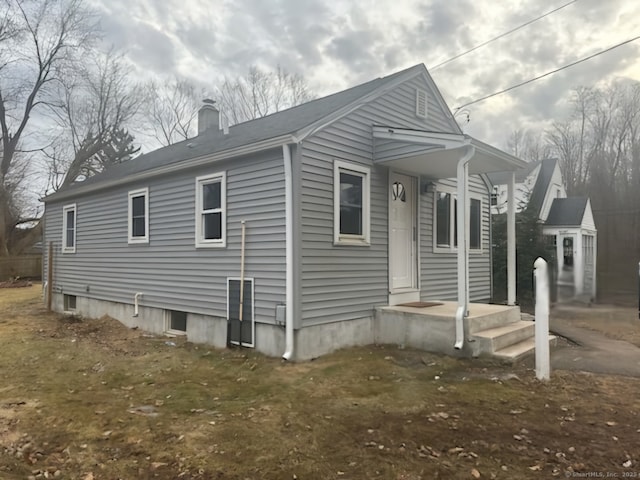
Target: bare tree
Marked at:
39, 42
92, 114
528, 145
261, 93
171, 110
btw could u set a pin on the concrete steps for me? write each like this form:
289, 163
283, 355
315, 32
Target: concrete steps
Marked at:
497, 338
520, 350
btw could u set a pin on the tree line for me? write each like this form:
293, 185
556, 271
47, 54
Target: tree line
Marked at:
69, 109
598, 149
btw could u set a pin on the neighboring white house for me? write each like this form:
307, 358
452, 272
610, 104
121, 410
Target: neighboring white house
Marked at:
568, 221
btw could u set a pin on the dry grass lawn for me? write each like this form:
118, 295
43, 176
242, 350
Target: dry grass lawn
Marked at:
91, 399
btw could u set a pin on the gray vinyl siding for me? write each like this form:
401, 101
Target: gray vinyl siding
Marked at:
438, 270
339, 282
170, 271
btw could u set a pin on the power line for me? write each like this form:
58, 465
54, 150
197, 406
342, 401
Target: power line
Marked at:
500, 36
531, 80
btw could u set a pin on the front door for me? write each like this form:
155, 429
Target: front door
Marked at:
402, 228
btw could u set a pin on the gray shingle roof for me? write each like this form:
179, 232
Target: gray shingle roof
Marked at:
539, 191
277, 124
567, 212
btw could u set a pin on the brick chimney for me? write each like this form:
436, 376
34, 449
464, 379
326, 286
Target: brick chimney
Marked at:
208, 116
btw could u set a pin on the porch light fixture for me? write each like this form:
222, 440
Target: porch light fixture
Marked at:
428, 187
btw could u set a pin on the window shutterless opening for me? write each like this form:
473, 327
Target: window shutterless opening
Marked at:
176, 321
69, 303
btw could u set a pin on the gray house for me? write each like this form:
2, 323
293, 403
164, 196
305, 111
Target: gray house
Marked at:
350, 203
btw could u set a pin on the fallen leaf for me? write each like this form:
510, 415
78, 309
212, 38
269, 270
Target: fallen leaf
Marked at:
535, 468
475, 473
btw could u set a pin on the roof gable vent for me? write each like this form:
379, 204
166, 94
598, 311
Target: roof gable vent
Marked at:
421, 103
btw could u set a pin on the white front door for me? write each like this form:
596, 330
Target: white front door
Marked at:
402, 237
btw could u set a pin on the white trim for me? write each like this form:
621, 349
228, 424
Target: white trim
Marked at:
201, 242
454, 195
365, 173
134, 194
65, 209
167, 324
253, 310
288, 236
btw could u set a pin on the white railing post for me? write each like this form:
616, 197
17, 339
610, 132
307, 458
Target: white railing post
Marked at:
543, 363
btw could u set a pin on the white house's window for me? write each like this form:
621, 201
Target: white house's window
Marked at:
139, 216
475, 224
351, 204
211, 211
69, 229
446, 217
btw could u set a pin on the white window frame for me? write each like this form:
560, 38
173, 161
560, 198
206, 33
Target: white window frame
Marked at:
201, 242
454, 195
365, 173
167, 320
65, 248
134, 194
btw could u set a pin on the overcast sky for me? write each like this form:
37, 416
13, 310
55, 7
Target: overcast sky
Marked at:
338, 44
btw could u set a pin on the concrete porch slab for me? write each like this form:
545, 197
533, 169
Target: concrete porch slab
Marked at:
433, 328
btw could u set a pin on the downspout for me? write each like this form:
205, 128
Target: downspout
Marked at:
463, 247
288, 207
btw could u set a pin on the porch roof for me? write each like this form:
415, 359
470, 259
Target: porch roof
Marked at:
435, 155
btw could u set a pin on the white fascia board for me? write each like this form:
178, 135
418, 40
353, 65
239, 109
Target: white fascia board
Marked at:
175, 167
444, 140
487, 149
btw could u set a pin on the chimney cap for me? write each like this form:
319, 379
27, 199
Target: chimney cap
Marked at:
208, 101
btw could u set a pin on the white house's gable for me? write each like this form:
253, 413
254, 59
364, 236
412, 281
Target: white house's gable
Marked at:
522, 193
555, 189
587, 220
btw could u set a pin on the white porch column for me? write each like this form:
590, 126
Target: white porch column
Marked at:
462, 180
578, 264
511, 240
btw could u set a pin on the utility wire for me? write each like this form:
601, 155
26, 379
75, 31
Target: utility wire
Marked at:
431, 69
531, 80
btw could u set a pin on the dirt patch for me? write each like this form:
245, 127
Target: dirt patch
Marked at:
94, 399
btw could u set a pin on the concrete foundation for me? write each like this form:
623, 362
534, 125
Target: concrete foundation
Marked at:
431, 329
204, 329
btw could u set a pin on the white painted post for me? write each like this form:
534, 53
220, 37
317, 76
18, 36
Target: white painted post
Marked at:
511, 240
543, 363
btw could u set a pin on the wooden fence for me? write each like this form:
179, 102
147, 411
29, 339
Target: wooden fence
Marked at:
24, 266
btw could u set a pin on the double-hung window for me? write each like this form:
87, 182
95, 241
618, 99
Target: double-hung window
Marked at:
211, 211
139, 216
351, 204
69, 228
446, 227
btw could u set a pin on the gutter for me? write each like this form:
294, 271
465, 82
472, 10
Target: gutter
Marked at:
463, 247
288, 207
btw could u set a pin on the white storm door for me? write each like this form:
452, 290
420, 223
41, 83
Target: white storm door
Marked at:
402, 238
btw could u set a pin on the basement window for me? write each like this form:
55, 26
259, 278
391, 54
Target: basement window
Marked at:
69, 303
177, 322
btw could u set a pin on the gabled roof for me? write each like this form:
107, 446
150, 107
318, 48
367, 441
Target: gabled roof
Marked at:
502, 178
539, 191
253, 132
567, 212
